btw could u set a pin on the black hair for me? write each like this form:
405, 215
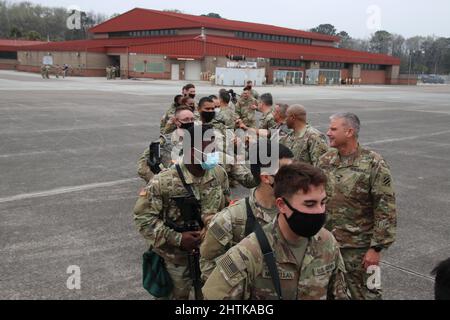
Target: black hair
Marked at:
175, 100
188, 86
267, 99
204, 100
224, 96
442, 280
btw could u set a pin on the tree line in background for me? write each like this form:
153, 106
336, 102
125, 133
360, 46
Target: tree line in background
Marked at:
430, 55
419, 54
28, 21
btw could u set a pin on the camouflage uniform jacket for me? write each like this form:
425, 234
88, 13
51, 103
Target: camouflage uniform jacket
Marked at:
227, 117
171, 147
307, 145
267, 121
169, 113
255, 94
282, 128
242, 274
227, 229
244, 111
362, 210
211, 191
238, 172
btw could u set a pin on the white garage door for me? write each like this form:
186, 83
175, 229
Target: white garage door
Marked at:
193, 70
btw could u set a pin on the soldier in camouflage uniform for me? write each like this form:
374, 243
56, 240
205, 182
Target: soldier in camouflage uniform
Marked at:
113, 72
362, 210
267, 120
280, 115
254, 93
229, 226
188, 91
225, 114
224, 140
170, 126
170, 144
224, 137
170, 112
246, 108
307, 256
43, 68
306, 142
171, 147
154, 216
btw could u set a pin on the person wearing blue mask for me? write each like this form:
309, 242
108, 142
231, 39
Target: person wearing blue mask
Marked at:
196, 183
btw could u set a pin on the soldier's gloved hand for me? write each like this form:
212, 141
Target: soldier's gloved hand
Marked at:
190, 240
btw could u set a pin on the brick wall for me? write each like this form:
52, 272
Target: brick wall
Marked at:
8, 64
373, 77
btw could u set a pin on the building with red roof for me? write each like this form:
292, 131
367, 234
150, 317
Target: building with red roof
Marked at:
166, 45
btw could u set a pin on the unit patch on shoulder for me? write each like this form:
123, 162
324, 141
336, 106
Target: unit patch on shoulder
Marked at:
143, 192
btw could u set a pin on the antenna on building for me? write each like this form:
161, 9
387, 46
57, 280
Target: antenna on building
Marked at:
203, 34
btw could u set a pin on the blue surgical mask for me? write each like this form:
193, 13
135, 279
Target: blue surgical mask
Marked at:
212, 160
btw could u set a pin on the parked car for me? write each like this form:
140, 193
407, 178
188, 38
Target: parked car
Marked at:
432, 78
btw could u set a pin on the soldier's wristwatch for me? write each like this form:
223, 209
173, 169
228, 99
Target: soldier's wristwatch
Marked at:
377, 248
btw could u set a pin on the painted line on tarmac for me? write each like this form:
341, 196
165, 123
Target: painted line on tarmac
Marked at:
408, 271
64, 190
82, 128
432, 111
407, 138
76, 151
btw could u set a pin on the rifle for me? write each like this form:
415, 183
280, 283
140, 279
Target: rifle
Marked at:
186, 205
154, 158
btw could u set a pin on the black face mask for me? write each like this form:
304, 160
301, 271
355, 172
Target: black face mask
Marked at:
304, 224
208, 116
186, 125
192, 96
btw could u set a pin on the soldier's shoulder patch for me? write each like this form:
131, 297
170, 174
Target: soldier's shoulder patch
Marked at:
217, 231
143, 192
232, 266
387, 181
233, 203
323, 235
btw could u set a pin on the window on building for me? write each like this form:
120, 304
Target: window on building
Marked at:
287, 63
8, 55
272, 37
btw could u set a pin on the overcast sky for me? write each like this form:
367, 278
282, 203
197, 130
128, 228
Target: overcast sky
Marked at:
359, 18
